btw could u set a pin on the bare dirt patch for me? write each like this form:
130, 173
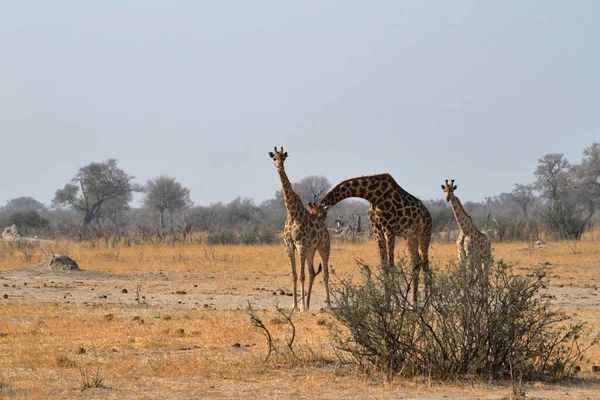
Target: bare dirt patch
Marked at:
171, 323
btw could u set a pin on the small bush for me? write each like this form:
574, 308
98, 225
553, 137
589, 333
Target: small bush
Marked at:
267, 236
248, 236
27, 248
354, 238
472, 323
565, 220
221, 237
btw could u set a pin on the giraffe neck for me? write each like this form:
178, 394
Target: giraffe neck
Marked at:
293, 203
465, 223
370, 188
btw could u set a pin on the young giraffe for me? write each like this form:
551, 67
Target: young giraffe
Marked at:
303, 232
393, 212
473, 246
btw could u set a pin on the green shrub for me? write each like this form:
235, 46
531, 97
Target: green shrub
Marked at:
252, 236
28, 219
492, 324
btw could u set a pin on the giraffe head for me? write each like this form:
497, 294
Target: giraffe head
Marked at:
449, 189
278, 157
318, 210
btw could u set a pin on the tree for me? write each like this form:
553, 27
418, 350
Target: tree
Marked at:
114, 208
586, 176
312, 188
24, 204
551, 175
523, 196
93, 186
28, 219
166, 194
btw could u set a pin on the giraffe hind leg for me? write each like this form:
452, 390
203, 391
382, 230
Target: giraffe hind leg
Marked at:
311, 276
424, 240
413, 249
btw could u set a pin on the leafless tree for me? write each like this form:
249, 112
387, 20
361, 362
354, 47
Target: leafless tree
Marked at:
523, 196
187, 226
166, 194
312, 187
586, 176
552, 177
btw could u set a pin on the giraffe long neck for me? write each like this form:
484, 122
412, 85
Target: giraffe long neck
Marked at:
464, 220
293, 203
369, 188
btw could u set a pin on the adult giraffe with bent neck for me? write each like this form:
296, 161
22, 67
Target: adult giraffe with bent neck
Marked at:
303, 232
473, 245
393, 212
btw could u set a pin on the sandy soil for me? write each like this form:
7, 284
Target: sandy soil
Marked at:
205, 290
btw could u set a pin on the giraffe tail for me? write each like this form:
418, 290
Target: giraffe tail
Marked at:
320, 269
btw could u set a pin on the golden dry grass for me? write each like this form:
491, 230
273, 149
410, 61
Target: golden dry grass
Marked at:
201, 346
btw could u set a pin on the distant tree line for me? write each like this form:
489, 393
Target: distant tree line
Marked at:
560, 203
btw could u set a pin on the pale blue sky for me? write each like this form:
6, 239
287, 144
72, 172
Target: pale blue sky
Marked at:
199, 90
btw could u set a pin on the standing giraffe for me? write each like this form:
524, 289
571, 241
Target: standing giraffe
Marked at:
393, 212
473, 246
303, 232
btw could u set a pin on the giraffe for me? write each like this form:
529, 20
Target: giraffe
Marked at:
303, 232
393, 212
473, 245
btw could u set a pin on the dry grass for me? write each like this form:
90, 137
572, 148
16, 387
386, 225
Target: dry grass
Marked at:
166, 349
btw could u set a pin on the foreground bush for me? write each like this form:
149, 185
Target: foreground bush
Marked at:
492, 324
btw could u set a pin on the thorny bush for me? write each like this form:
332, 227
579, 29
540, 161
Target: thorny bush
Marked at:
488, 323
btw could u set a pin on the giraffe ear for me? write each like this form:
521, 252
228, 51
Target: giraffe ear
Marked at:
455, 187
443, 188
285, 155
271, 154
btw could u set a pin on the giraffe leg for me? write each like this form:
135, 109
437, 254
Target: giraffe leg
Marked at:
469, 250
487, 262
310, 255
302, 252
413, 249
291, 252
390, 238
381, 244
460, 243
424, 240
324, 254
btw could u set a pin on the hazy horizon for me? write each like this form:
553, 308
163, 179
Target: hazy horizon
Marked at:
202, 91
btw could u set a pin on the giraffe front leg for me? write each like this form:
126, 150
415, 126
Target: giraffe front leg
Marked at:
324, 254
291, 252
390, 238
381, 244
460, 243
302, 252
487, 261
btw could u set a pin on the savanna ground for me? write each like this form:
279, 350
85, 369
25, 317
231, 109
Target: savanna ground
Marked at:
170, 322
